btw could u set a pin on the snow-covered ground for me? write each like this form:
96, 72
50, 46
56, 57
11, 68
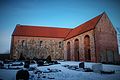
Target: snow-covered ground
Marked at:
63, 73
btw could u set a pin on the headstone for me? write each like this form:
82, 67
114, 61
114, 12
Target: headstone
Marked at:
40, 63
22, 75
97, 67
27, 64
1, 65
48, 59
81, 65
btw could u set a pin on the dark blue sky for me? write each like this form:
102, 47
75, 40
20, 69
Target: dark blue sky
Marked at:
56, 13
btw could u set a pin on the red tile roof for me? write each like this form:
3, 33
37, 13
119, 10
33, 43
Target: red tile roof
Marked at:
89, 25
40, 31
66, 33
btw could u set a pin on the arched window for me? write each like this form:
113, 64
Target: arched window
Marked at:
41, 43
76, 50
87, 48
23, 43
60, 44
68, 51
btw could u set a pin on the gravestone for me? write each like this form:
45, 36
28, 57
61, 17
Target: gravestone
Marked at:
1, 65
97, 67
81, 65
27, 64
40, 63
48, 59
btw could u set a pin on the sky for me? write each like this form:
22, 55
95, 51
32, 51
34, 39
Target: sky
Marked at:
55, 13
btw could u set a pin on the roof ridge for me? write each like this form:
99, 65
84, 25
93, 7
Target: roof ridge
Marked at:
19, 25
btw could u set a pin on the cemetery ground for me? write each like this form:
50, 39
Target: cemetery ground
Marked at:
65, 70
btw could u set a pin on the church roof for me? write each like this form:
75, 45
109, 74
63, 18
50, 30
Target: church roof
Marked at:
40, 31
89, 25
66, 33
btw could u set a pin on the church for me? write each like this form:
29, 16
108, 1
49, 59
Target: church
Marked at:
94, 41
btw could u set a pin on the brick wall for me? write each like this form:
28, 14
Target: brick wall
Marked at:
106, 41
81, 46
39, 47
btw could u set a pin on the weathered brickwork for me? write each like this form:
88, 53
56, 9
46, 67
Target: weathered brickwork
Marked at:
37, 47
95, 40
103, 43
106, 41
81, 46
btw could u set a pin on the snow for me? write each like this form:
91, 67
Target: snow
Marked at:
6, 74
59, 72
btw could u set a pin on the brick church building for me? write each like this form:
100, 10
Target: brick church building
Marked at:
94, 40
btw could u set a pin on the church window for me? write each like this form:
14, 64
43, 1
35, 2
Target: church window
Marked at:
23, 43
76, 50
41, 43
68, 51
87, 48
60, 44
